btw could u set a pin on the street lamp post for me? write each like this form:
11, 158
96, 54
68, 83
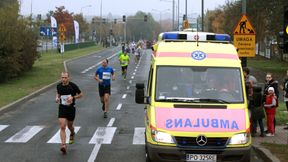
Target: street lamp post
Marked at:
160, 13
173, 11
85, 7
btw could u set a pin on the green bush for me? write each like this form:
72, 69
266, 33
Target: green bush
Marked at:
17, 43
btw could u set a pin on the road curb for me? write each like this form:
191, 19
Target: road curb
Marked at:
265, 154
45, 88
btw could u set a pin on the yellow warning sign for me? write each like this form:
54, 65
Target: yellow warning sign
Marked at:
245, 45
62, 28
244, 27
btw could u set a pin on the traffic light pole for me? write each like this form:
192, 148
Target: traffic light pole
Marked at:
244, 59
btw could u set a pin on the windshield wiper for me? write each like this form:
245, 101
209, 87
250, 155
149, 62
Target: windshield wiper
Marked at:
213, 100
180, 99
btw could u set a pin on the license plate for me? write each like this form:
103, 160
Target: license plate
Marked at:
201, 157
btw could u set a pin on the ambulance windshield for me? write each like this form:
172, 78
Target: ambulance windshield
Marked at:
199, 84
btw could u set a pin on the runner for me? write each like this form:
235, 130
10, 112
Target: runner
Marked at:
67, 93
103, 76
124, 62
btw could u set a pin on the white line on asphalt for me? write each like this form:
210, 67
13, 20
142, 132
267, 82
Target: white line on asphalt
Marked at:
132, 77
119, 106
128, 87
103, 135
56, 137
124, 96
25, 134
139, 137
135, 70
130, 81
94, 153
111, 122
134, 73
93, 66
2, 127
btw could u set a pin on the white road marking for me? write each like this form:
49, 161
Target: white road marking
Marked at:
25, 134
103, 135
134, 73
132, 77
94, 153
119, 106
124, 96
2, 127
139, 137
56, 137
93, 66
128, 87
135, 70
130, 81
111, 122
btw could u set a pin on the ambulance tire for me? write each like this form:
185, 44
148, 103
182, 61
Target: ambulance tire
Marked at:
146, 151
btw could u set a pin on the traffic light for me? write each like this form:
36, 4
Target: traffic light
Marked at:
115, 21
285, 30
145, 18
124, 18
184, 17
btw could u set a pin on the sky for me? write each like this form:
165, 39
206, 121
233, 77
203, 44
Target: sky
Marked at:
118, 7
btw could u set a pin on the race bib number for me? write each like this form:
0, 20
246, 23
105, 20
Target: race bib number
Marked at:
106, 75
64, 99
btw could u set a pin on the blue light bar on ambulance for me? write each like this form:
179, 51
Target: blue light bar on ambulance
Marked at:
193, 36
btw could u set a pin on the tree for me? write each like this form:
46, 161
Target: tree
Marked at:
17, 43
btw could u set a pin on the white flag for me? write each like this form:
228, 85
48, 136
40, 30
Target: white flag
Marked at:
76, 29
54, 25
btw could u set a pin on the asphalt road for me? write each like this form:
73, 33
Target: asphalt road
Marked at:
30, 132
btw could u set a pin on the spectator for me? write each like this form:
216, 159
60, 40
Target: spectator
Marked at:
270, 82
270, 108
284, 87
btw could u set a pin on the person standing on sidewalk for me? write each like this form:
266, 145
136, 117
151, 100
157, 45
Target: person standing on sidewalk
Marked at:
270, 82
270, 108
103, 76
67, 93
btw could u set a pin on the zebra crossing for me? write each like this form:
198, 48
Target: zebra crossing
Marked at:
102, 135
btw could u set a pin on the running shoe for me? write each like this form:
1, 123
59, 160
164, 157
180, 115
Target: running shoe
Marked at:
105, 115
63, 148
71, 140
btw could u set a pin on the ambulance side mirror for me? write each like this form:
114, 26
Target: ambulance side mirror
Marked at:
139, 94
257, 96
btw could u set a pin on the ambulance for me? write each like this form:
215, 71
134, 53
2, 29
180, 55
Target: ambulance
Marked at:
195, 100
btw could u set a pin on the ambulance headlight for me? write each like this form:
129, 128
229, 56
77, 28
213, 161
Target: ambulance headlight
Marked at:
239, 139
162, 137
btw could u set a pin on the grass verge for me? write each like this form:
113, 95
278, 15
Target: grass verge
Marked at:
45, 71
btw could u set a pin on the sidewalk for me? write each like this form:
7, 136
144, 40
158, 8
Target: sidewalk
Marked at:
281, 137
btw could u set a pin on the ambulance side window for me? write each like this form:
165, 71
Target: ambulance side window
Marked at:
149, 88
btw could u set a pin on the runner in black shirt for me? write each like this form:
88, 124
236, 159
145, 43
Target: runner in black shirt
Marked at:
67, 93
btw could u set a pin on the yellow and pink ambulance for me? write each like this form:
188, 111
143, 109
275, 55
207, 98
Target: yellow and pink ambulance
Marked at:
195, 100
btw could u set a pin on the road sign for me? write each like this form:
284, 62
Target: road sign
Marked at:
185, 24
62, 37
244, 26
62, 28
244, 38
48, 31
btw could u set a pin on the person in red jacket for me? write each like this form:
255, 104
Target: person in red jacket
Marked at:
270, 109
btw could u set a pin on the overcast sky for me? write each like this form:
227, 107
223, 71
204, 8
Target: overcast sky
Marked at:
117, 7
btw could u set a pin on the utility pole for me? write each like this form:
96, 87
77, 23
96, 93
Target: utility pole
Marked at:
202, 17
244, 59
173, 17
